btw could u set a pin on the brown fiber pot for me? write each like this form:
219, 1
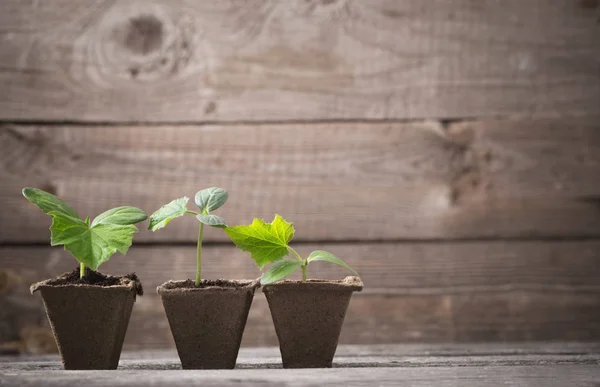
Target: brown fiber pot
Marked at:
207, 322
89, 321
308, 318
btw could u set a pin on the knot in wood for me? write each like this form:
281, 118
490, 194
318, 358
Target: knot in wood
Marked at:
144, 34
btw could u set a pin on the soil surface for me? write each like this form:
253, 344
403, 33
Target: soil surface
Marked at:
95, 278
220, 283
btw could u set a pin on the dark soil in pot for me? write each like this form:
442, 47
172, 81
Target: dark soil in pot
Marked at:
308, 318
208, 321
89, 316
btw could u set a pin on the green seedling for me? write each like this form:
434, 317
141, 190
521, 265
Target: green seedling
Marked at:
93, 243
268, 243
207, 200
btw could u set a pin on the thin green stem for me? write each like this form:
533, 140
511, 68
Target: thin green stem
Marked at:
191, 212
304, 263
199, 256
81, 270
295, 253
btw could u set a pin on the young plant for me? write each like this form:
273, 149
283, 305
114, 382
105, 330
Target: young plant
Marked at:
93, 243
268, 242
207, 200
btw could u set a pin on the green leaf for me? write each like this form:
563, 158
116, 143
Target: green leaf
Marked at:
212, 220
161, 217
90, 245
210, 199
115, 237
65, 229
48, 203
280, 270
320, 255
121, 215
266, 242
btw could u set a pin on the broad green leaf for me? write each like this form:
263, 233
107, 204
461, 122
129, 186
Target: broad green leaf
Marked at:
210, 199
90, 245
212, 220
65, 229
114, 236
161, 217
48, 203
320, 255
121, 215
266, 242
279, 270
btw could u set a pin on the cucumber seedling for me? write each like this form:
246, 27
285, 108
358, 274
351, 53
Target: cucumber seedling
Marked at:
268, 242
93, 243
207, 200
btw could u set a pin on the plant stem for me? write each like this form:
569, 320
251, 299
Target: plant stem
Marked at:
199, 256
304, 263
81, 270
295, 253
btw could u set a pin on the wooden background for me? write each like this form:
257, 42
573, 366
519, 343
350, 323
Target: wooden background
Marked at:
449, 150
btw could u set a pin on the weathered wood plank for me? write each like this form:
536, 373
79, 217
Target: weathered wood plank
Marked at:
495, 316
360, 181
543, 375
182, 61
361, 356
556, 352
415, 292
399, 268
365, 365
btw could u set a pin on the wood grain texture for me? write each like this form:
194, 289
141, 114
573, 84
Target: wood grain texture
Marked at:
468, 376
511, 178
184, 61
414, 292
391, 355
544, 364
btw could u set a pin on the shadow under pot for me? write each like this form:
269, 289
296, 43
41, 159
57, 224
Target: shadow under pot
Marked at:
308, 318
89, 320
208, 321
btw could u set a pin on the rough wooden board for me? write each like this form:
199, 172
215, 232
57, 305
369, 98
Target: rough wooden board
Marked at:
415, 292
393, 268
425, 353
172, 362
495, 316
538, 364
543, 364
361, 356
183, 61
532, 376
506, 178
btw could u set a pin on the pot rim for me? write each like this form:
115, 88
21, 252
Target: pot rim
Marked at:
125, 283
351, 283
245, 285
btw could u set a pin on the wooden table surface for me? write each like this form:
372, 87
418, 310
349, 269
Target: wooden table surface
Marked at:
531, 364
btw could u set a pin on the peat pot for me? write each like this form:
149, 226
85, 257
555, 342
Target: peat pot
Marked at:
308, 318
208, 321
89, 320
